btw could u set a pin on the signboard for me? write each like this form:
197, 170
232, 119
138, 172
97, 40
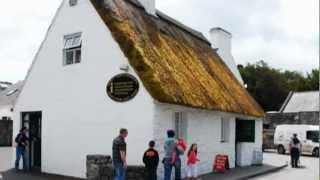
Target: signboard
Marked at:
123, 87
221, 163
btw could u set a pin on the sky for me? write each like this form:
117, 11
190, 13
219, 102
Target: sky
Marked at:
283, 33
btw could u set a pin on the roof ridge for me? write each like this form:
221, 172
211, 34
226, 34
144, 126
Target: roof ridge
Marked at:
177, 23
310, 91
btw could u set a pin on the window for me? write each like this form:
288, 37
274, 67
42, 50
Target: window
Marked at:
73, 2
313, 136
6, 118
180, 125
245, 131
225, 129
72, 49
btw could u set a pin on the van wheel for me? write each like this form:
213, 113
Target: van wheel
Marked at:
315, 152
281, 150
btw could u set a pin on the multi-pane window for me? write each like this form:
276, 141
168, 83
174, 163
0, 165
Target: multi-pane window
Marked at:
245, 131
72, 49
180, 123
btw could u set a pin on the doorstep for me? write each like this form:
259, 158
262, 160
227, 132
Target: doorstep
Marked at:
243, 172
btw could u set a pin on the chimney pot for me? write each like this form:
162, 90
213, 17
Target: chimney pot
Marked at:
221, 40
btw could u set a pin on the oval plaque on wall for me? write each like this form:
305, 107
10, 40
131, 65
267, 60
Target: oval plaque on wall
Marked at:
122, 87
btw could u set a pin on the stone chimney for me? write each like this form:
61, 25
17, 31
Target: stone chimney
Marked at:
221, 40
149, 6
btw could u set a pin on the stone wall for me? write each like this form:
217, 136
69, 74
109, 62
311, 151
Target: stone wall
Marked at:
274, 119
5, 132
99, 167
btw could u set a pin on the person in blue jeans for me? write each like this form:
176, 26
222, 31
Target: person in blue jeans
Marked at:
22, 142
119, 153
170, 147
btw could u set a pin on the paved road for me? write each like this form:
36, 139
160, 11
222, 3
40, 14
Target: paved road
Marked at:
5, 158
309, 171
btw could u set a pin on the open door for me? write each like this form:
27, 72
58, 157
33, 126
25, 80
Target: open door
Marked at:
245, 134
32, 120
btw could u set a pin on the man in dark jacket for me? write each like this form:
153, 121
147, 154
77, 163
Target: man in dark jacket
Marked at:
151, 161
119, 154
22, 142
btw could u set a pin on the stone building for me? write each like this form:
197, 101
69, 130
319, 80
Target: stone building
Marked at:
298, 108
109, 64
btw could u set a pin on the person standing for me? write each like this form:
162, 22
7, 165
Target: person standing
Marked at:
295, 147
22, 142
151, 161
192, 172
119, 154
171, 147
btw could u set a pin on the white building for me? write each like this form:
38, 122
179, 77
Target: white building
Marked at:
170, 78
8, 98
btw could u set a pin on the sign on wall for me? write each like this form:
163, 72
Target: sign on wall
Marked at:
122, 87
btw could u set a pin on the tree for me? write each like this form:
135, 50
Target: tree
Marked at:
313, 79
270, 86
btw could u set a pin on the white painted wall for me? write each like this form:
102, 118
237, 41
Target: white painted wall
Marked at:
221, 39
6, 111
78, 118
245, 151
204, 128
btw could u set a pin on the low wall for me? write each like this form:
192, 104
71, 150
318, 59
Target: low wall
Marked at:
99, 167
274, 119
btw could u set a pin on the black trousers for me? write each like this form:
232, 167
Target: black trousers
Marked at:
151, 173
295, 154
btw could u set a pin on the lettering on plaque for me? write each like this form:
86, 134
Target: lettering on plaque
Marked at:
122, 87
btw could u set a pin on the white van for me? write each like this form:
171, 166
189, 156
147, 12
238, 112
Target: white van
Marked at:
307, 134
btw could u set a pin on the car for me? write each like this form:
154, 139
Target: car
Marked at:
307, 134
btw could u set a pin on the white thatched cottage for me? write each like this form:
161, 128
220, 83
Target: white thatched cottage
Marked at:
120, 63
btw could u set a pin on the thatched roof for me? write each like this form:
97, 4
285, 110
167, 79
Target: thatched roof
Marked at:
176, 64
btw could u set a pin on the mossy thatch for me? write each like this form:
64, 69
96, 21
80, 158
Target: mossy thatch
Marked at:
175, 66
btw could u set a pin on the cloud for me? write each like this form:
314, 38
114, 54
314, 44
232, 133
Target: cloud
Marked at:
23, 25
284, 33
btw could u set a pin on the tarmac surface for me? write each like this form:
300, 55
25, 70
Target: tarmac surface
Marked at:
5, 158
309, 168
274, 162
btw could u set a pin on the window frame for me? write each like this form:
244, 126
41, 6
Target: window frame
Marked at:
311, 135
242, 133
72, 43
180, 125
225, 130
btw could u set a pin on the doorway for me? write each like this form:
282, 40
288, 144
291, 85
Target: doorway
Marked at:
32, 121
245, 133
